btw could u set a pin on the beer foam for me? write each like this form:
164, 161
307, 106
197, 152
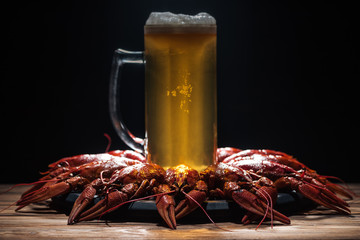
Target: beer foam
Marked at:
168, 18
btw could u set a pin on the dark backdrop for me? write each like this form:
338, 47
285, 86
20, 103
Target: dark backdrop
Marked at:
286, 79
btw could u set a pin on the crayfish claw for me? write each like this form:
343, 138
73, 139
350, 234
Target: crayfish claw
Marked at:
44, 193
20, 207
81, 203
111, 202
324, 197
193, 199
252, 203
166, 208
336, 188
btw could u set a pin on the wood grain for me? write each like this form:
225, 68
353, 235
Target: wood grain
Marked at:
40, 222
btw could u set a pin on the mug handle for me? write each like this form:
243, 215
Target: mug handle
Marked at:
120, 58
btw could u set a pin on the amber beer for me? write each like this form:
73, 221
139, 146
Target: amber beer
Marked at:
180, 95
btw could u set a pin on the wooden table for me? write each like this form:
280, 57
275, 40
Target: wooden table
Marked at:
40, 222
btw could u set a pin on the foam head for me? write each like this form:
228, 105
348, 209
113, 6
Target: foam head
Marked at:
168, 18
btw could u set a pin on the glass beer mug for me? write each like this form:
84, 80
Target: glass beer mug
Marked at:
180, 90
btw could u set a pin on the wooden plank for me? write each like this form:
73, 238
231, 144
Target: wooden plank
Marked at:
40, 222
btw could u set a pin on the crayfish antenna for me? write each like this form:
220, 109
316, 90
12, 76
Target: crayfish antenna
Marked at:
109, 142
13, 204
268, 204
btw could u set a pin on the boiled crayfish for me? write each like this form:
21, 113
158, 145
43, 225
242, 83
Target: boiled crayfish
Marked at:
251, 178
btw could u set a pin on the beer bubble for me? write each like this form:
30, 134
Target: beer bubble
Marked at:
168, 18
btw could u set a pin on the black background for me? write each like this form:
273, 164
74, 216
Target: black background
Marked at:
286, 79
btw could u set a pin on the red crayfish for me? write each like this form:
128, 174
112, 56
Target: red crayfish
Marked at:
250, 178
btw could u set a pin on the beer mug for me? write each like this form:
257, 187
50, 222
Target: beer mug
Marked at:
180, 90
